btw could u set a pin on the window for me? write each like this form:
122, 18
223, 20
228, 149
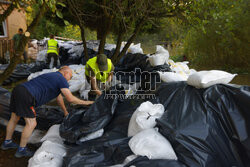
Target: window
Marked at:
3, 29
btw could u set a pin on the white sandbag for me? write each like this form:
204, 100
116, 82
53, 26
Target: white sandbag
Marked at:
144, 117
110, 46
135, 49
152, 144
171, 77
78, 80
66, 45
76, 51
41, 56
36, 136
53, 135
34, 43
204, 79
93, 135
84, 91
160, 58
183, 66
50, 154
44, 71
75, 85
170, 62
191, 71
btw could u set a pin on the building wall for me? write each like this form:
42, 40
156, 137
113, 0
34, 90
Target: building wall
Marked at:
16, 20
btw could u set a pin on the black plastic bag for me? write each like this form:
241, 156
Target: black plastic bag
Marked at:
207, 127
94, 119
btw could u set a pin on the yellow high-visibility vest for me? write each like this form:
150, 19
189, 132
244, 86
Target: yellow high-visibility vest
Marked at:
52, 46
92, 63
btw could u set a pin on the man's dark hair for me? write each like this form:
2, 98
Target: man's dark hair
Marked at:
20, 29
51, 36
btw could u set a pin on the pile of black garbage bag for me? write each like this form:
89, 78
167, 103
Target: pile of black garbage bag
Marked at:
206, 127
22, 71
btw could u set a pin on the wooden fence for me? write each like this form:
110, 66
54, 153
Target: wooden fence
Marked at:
5, 50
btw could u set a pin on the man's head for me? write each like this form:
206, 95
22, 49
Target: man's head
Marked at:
20, 31
52, 36
66, 72
102, 62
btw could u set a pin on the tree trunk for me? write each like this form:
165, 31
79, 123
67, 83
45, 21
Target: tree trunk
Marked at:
130, 40
7, 12
8, 71
99, 33
118, 46
21, 46
106, 29
84, 43
102, 43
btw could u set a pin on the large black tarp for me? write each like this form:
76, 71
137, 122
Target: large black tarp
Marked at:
206, 127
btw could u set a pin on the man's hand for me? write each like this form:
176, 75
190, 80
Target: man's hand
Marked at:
65, 114
60, 102
72, 99
94, 86
88, 102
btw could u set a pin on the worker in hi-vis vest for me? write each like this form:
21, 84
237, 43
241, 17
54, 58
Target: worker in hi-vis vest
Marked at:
53, 50
99, 72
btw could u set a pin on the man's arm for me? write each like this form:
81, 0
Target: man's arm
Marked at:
94, 86
60, 102
110, 77
72, 99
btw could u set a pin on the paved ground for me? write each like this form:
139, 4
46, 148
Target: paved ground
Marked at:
7, 158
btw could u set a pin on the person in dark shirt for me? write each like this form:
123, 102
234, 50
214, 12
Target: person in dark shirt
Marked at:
36, 92
17, 38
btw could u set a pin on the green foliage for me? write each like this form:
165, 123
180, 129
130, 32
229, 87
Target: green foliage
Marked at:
219, 34
45, 28
51, 23
74, 32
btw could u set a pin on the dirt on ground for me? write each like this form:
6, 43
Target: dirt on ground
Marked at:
7, 158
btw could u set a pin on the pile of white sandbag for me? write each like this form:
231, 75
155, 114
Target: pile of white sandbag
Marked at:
146, 141
51, 152
180, 72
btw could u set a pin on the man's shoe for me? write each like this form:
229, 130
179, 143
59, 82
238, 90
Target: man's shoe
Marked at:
8, 145
23, 153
